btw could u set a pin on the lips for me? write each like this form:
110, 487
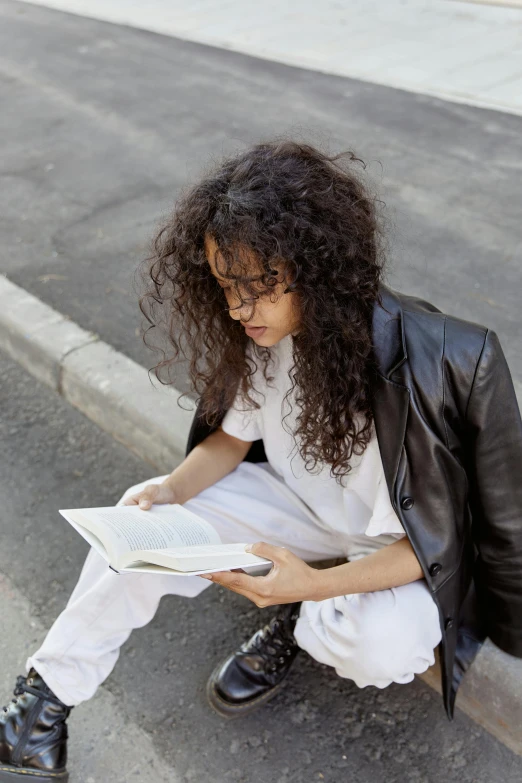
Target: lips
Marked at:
255, 330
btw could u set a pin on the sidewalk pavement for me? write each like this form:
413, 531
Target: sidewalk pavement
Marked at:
116, 393
126, 752
468, 52
89, 166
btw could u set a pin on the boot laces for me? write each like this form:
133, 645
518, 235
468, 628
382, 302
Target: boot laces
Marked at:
23, 685
17, 692
273, 645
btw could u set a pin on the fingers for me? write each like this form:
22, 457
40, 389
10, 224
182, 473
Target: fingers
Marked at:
278, 554
229, 579
146, 500
132, 500
254, 587
262, 590
235, 581
143, 499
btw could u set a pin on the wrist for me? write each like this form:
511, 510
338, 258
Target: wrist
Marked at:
326, 582
319, 584
173, 484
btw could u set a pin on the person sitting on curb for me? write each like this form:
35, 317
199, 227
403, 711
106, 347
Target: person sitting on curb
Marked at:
337, 419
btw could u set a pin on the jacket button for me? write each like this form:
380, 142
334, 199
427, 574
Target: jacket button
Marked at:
407, 503
435, 568
448, 624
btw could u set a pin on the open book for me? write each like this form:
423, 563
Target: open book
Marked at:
166, 539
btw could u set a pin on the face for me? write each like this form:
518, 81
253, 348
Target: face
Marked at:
274, 314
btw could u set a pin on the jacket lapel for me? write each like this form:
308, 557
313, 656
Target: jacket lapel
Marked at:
390, 400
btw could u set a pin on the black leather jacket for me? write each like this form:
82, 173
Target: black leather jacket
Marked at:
450, 436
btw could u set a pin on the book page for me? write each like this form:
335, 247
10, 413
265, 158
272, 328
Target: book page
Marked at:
150, 568
210, 550
221, 557
128, 529
91, 539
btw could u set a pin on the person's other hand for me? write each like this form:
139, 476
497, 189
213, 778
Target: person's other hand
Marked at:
290, 578
152, 493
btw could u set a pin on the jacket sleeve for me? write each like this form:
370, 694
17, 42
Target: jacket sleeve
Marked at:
494, 441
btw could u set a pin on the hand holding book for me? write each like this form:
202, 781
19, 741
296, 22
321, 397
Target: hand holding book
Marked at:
158, 494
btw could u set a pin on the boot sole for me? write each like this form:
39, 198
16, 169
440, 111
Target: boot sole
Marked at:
228, 710
10, 774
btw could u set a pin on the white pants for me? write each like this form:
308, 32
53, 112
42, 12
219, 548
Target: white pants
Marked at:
372, 638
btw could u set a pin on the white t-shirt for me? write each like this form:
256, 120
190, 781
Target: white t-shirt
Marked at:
360, 507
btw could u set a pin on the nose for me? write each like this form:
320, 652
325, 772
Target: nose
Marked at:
241, 314
238, 311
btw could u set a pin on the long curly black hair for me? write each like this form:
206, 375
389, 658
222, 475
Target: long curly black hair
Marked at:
290, 202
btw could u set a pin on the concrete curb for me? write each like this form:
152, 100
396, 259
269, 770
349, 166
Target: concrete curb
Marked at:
106, 386
116, 393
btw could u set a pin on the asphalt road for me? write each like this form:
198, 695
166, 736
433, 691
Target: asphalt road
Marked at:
103, 125
319, 727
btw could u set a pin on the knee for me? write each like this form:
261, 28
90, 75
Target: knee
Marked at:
390, 647
370, 638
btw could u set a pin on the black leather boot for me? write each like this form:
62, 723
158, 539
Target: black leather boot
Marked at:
33, 734
253, 674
